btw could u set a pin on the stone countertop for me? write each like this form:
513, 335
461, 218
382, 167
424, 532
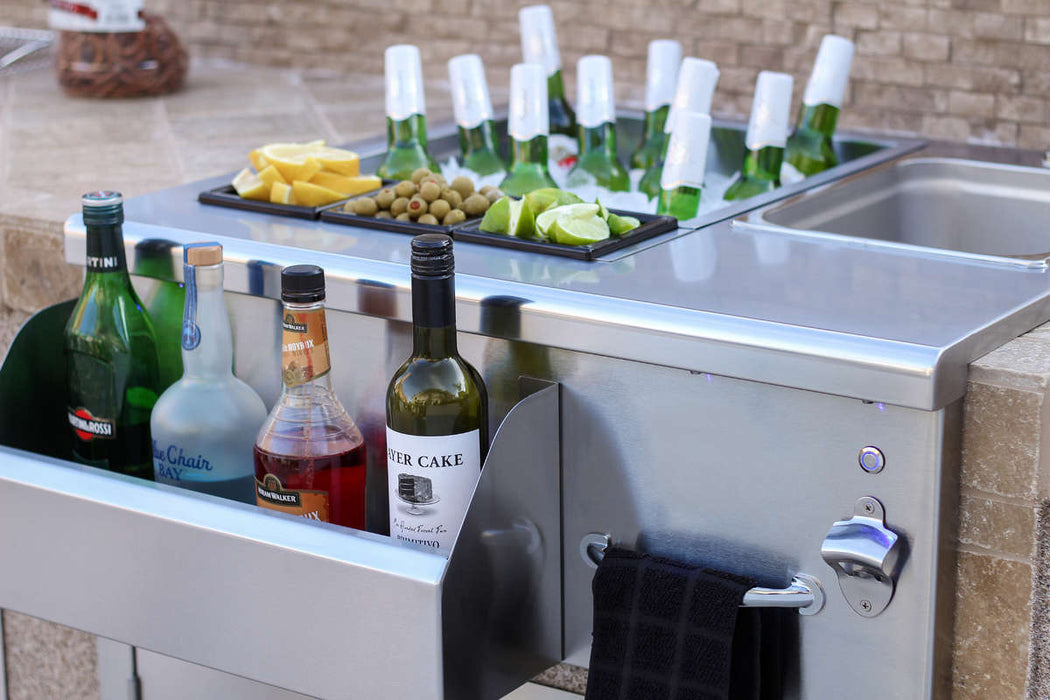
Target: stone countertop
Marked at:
53, 148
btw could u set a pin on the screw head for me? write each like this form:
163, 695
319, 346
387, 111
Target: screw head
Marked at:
868, 508
865, 605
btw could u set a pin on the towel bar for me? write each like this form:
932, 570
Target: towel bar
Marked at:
804, 592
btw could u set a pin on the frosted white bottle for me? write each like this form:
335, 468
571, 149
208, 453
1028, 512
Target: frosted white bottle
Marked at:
204, 425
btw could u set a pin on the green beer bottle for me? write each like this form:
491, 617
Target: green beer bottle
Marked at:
766, 137
682, 178
661, 75
164, 304
112, 377
406, 120
527, 126
694, 92
810, 148
539, 44
598, 162
472, 108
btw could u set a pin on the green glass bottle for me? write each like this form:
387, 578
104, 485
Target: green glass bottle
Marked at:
810, 148
682, 179
527, 126
539, 45
112, 377
436, 412
406, 121
472, 108
694, 92
598, 162
766, 137
164, 303
661, 75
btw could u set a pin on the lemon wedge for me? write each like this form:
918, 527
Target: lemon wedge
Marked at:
282, 193
347, 185
295, 161
257, 160
250, 186
270, 174
311, 195
337, 160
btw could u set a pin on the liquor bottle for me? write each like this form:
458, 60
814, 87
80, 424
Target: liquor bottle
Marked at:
694, 92
204, 426
661, 76
436, 411
527, 126
767, 132
539, 44
406, 120
112, 378
598, 162
473, 111
164, 304
310, 458
683, 175
810, 149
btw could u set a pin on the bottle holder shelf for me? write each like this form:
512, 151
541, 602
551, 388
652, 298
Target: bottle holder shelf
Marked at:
313, 608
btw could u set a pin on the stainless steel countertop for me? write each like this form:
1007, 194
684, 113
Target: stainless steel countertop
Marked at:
820, 315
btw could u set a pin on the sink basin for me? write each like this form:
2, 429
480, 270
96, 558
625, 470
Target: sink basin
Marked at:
987, 211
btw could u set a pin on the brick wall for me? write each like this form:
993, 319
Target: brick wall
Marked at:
965, 70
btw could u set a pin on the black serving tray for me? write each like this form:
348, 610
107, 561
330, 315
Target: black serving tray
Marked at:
334, 214
226, 196
652, 225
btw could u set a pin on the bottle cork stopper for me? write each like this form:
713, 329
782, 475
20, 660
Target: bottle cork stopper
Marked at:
202, 254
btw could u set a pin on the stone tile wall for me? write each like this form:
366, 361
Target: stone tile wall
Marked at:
964, 70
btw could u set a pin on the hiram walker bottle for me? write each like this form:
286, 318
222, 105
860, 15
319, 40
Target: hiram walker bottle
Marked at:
310, 457
661, 77
810, 149
767, 133
527, 126
598, 162
436, 412
204, 425
694, 92
406, 115
112, 377
683, 175
472, 108
539, 45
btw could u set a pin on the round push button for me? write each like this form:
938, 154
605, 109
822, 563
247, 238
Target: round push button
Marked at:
871, 459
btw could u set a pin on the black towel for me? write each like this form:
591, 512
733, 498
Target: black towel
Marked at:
667, 631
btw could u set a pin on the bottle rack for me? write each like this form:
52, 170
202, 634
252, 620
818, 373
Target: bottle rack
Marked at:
316, 609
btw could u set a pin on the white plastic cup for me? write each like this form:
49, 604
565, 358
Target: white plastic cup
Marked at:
687, 151
770, 111
661, 73
695, 89
471, 103
529, 116
830, 76
595, 101
404, 82
539, 43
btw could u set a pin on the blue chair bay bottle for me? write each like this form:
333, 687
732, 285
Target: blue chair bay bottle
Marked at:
406, 115
598, 162
694, 92
810, 148
204, 425
767, 132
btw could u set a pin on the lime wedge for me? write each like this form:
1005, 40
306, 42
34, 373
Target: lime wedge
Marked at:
547, 198
525, 223
602, 211
544, 221
619, 225
574, 228
497, 218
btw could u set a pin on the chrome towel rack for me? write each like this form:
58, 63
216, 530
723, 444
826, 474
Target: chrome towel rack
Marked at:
804, 593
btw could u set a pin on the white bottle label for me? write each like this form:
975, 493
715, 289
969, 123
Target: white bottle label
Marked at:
431, 481
96, 15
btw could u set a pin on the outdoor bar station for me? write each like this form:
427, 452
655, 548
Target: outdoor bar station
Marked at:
670, 403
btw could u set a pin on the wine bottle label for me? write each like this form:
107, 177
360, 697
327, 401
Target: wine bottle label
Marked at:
304, 346
269, 493
431, 479
172, 464
88, 427
104, 263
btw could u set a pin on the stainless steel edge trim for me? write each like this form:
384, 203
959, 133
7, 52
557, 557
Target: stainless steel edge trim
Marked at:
3, 660
808, 358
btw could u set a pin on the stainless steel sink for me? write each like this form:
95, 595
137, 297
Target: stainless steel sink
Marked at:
987, 211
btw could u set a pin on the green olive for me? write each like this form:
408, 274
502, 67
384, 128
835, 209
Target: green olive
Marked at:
430, 191
439, 208
417, 207
463, 185
420, 173
399, 206
385, 197
475, 205
452, 197
428, 219
456, 216
403, 216
365, 206
405, 188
